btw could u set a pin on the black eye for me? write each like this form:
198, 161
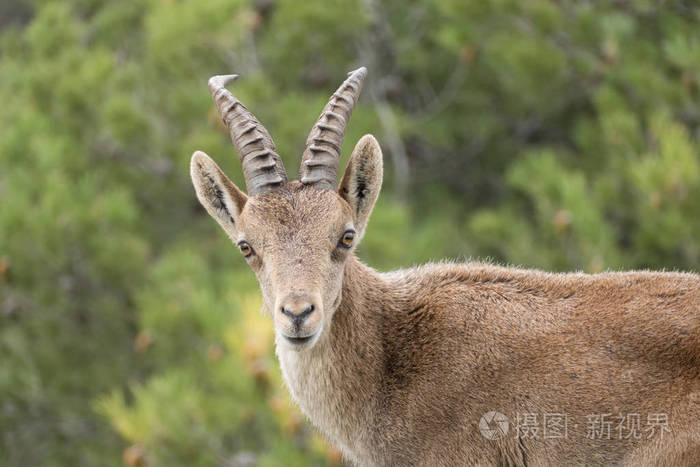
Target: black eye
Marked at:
347, 239
246, 249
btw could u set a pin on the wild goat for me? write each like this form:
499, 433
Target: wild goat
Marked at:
450, 364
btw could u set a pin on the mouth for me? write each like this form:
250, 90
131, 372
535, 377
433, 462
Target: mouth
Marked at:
300, 341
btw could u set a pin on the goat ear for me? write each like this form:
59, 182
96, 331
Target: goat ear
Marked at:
220, 196
363, 180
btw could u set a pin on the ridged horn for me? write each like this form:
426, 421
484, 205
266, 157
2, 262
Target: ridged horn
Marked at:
319, 162
262, 166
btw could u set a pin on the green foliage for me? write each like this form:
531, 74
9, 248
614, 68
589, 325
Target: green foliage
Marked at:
560, 135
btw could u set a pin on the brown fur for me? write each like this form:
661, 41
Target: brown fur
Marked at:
439, 346
403, 365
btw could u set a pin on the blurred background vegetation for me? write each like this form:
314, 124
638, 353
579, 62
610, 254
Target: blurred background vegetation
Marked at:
551, 134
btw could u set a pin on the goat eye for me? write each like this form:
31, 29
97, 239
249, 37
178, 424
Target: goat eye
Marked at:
347, 239
246, 249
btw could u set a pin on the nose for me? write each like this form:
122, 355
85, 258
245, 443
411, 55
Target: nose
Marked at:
297, 309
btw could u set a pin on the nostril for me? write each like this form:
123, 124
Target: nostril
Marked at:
309, 309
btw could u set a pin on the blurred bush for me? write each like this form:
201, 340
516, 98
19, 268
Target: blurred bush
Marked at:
560, 135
